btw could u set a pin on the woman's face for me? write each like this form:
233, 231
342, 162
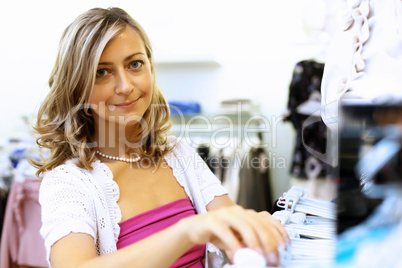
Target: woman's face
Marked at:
123, 85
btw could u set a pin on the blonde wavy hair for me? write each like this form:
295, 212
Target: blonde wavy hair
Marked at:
64, 123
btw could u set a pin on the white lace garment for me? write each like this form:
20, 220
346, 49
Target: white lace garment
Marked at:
81, 201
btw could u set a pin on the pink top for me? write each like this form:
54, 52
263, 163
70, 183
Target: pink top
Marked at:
157, 219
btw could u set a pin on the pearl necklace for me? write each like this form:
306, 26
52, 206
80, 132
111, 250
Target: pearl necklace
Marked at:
127, 160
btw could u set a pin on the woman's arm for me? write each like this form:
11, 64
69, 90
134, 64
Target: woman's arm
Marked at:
229, 228
159, 250
220, 202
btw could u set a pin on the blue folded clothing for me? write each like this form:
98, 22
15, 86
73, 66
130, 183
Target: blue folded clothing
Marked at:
184, 107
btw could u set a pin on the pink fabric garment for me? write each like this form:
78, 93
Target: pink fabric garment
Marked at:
21, 242
157, 219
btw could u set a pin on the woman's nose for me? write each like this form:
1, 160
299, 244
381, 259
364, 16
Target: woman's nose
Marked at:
123, 85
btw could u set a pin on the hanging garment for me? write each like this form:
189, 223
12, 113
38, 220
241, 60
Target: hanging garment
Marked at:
204, 152
21, 243
4, 190
6, 177
254, 181
230, 160
305, 101
5, 185
244, 171
365, 58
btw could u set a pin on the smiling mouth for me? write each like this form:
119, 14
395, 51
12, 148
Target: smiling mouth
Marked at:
128, 104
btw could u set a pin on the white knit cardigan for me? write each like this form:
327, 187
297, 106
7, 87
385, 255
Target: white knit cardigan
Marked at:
81, 201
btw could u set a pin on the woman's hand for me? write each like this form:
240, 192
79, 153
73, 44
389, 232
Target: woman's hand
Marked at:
233, 227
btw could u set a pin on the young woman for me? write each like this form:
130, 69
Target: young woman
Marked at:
116, 191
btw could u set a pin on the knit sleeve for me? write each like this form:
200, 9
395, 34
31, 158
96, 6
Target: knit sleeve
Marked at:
210, 186
66, 206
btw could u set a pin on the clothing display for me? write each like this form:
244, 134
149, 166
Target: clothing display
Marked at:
178, 108
6, 176
361, 83
9, 159
93, 196
365, 58
370, 203
235, 106
244, 171
21, 243
243, 165
311, 225
304, 101
340, 89
254, 185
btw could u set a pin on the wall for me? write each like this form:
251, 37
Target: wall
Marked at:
206, 51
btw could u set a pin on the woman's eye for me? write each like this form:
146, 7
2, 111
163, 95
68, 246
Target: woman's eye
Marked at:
101, 72
136, 64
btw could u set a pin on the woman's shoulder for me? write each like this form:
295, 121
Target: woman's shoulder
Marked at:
96, 184
180, 145
70, 177
65, 179
69, 169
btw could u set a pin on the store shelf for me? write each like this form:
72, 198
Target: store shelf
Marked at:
185, 63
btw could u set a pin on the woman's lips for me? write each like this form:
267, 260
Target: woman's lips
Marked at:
125, 105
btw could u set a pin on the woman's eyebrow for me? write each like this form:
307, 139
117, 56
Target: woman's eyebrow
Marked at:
125, 59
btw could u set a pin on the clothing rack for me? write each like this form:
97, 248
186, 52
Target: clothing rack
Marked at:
219, 127
21, 242
228, 149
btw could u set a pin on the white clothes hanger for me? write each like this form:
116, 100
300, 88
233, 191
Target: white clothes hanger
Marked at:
311, 248
300, 226
296, 200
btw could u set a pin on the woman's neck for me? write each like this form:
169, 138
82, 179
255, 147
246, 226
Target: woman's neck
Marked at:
117, 140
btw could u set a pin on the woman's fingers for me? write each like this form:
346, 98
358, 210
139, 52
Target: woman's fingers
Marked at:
269, 236
266, 215
232, 228
276, 227
264, 238
245, 229
254, 231
224, 237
